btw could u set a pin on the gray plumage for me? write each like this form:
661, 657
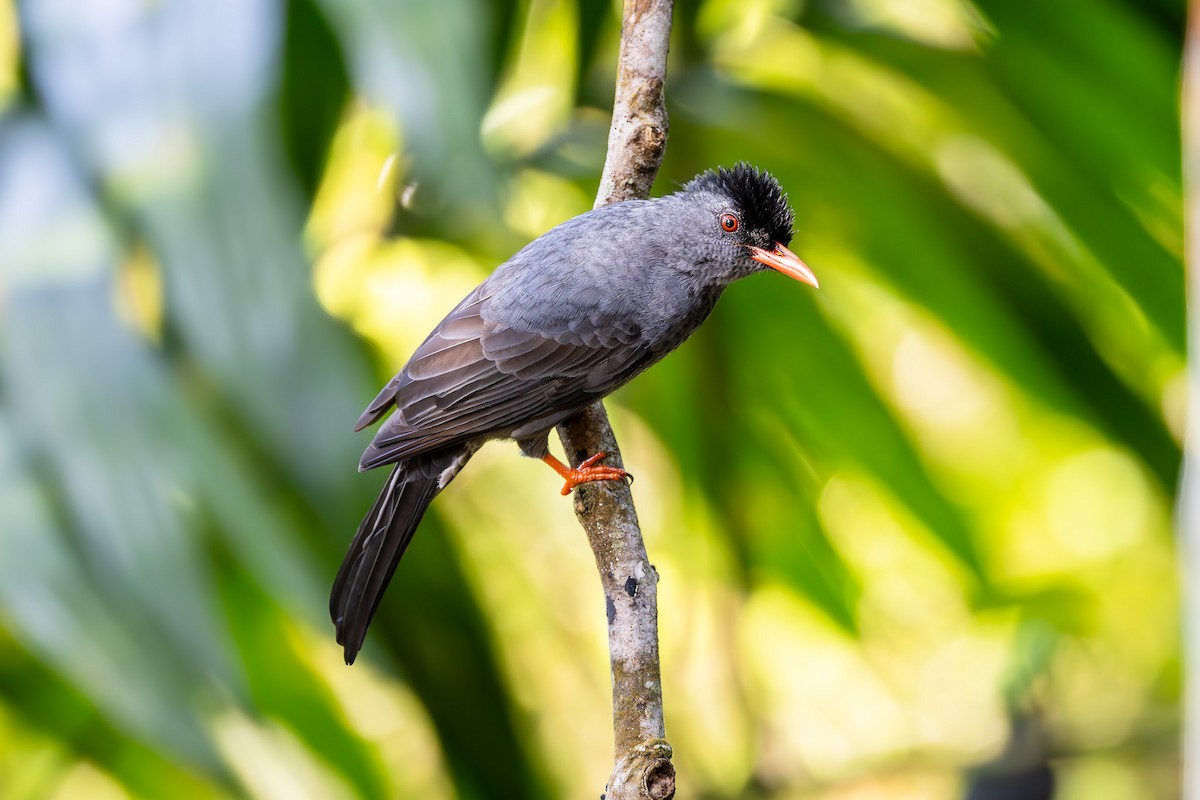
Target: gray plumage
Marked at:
574, 315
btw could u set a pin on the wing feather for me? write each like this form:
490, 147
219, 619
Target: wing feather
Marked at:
473, 378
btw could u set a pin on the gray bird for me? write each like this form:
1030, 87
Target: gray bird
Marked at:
574, 315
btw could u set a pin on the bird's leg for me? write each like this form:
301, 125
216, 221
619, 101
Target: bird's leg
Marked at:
585, 472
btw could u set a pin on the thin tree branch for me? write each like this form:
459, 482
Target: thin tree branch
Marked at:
642, 768
637, 137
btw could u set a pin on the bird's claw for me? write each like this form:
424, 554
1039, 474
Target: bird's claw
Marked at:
587, 472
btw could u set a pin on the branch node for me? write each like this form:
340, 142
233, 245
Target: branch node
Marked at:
646, 766
658, 782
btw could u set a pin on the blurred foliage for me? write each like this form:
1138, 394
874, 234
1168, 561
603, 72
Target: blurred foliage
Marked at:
912, 529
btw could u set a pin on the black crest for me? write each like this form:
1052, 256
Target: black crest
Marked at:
756, 194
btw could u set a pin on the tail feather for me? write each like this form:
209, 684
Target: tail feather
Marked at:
377, 548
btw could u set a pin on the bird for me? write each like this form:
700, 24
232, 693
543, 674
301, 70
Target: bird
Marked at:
574, 315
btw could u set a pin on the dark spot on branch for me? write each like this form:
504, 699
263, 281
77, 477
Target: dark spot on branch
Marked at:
658, 781
636, 9
646, 97
610, 609
631, 587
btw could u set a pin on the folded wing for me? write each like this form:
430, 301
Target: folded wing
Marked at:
475, 377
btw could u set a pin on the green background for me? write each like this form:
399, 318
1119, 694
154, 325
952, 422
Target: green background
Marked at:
913, 529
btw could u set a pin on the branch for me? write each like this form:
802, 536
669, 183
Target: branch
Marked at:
642, 768
638, 135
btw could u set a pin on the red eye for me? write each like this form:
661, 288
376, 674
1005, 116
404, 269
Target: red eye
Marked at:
729, 223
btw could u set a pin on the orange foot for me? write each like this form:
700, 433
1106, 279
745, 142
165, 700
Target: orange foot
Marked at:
585, 472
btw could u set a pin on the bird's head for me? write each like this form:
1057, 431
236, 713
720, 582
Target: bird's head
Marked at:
743, 215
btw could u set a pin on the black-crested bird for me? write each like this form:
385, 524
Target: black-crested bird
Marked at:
574, 315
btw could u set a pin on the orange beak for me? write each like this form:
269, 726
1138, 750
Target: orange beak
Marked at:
787, 262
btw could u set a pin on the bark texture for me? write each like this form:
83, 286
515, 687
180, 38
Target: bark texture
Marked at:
642, 768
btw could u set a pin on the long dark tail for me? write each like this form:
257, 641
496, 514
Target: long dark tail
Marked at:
378, 546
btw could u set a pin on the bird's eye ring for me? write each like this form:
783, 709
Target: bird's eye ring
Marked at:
729, 223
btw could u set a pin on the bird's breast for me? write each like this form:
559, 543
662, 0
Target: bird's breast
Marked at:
680, 319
